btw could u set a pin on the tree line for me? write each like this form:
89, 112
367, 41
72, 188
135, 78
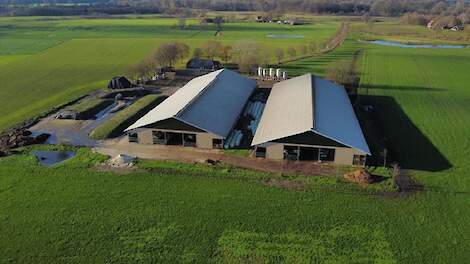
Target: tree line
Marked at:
245, 54
174, 7
441, 14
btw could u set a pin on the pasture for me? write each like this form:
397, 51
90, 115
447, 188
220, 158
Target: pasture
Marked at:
50, 61
393, 30
169, 212
423, 101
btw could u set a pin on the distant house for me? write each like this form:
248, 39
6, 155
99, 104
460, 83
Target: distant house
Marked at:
119, 82
263, 19
457, 28
431, 24
208, 20
202, 64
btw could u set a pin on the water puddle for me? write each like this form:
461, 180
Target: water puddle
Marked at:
415, 46
49, 158
101, 114
285, 36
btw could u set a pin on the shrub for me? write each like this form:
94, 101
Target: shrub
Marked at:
414, 19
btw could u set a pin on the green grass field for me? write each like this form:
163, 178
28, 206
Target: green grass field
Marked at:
50, 61
171, 212
423, 100
393, 30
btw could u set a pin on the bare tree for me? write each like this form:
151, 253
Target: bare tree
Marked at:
313, 47
211, 49
439, 8
303, 49
202, 23
279, 53
247, 55
342, 72
265, 56
225, 52
292, 52
365, 18
197, 53
142, 70
135, 72
168, 54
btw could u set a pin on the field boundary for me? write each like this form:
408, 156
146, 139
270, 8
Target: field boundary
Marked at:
334, 42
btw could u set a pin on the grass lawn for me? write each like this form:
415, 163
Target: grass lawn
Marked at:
170, 212
53, 60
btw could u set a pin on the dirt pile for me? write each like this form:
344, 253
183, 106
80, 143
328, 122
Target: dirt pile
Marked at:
19, 138
121, 161
361, 176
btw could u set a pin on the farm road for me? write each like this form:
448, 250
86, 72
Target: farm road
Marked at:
158, 152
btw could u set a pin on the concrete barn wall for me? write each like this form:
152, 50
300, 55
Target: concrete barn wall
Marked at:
203, 139
343, 156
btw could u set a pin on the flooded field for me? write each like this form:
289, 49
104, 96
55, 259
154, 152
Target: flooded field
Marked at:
415, 46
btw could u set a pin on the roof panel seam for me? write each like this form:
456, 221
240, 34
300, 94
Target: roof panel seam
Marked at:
198, 95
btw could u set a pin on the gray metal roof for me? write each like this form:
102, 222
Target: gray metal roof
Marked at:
211, 102
308, 103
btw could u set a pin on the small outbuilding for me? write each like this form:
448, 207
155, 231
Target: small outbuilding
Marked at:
202, 64
119, 82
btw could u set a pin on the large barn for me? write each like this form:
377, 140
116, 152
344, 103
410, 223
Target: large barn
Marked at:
305, 118
200, 114
309, 118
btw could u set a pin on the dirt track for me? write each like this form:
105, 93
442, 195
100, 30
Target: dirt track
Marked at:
158, 152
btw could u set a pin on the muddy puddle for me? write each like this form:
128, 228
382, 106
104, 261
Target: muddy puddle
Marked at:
50, 158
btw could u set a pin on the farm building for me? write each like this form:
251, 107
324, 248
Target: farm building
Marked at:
304, 118
119, 82
309, 118
200, 114
202, 64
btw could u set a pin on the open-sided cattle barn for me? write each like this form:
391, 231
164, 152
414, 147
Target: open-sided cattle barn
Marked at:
200, 114
304, 118
309, 118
